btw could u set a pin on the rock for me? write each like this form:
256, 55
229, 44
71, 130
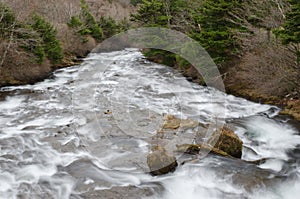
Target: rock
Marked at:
188, 123
122, 192
222, 142
227, 141
160, 162
194, 149
171, 122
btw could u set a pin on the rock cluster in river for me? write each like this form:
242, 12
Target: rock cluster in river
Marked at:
160, 160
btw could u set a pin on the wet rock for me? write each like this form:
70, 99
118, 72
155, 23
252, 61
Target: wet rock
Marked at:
172, 122
222, 142
122, 192
226, 140
188, 123
195, 149
161, 162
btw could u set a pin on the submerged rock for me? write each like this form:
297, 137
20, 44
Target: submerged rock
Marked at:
160, 162
172, 122
226, 140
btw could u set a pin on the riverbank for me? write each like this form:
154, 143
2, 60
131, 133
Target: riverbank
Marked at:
24, 58
254, 85
35, 73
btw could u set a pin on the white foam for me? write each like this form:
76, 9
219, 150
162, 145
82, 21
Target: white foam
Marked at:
285, 190
11, 103
197, 182
273, 164
268, 138
6, 182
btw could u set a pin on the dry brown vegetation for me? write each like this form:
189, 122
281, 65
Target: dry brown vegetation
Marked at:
19, 67
60, 11
265, 69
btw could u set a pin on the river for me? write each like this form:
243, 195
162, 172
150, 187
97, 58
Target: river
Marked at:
86, 132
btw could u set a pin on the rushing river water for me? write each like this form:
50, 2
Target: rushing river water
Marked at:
86, 132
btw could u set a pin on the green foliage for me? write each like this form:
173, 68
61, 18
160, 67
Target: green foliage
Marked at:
75, 22
213, 23
136, 2
290, 32
7, 19
110, 27
33, 39
85, 24
90, 22
216, 32
37, 49
161, 56
51, 45
151, 13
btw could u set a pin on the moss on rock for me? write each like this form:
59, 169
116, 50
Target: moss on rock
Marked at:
226, 140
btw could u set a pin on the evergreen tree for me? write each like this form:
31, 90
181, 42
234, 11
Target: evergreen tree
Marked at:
213, 23
290, 33
152, 13
216, 28
7, 19
85, 24
51, 45
90, 21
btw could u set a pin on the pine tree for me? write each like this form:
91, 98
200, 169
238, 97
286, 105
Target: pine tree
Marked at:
90, 21
152, 13
50, 44
216, 28
290, 32
7, 19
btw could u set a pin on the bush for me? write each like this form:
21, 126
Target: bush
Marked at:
75, 22
136, 2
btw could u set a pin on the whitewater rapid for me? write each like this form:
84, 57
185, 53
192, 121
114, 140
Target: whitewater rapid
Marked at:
85, 134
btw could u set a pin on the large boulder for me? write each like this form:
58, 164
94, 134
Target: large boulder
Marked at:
160, 161
222, 142
226, 140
